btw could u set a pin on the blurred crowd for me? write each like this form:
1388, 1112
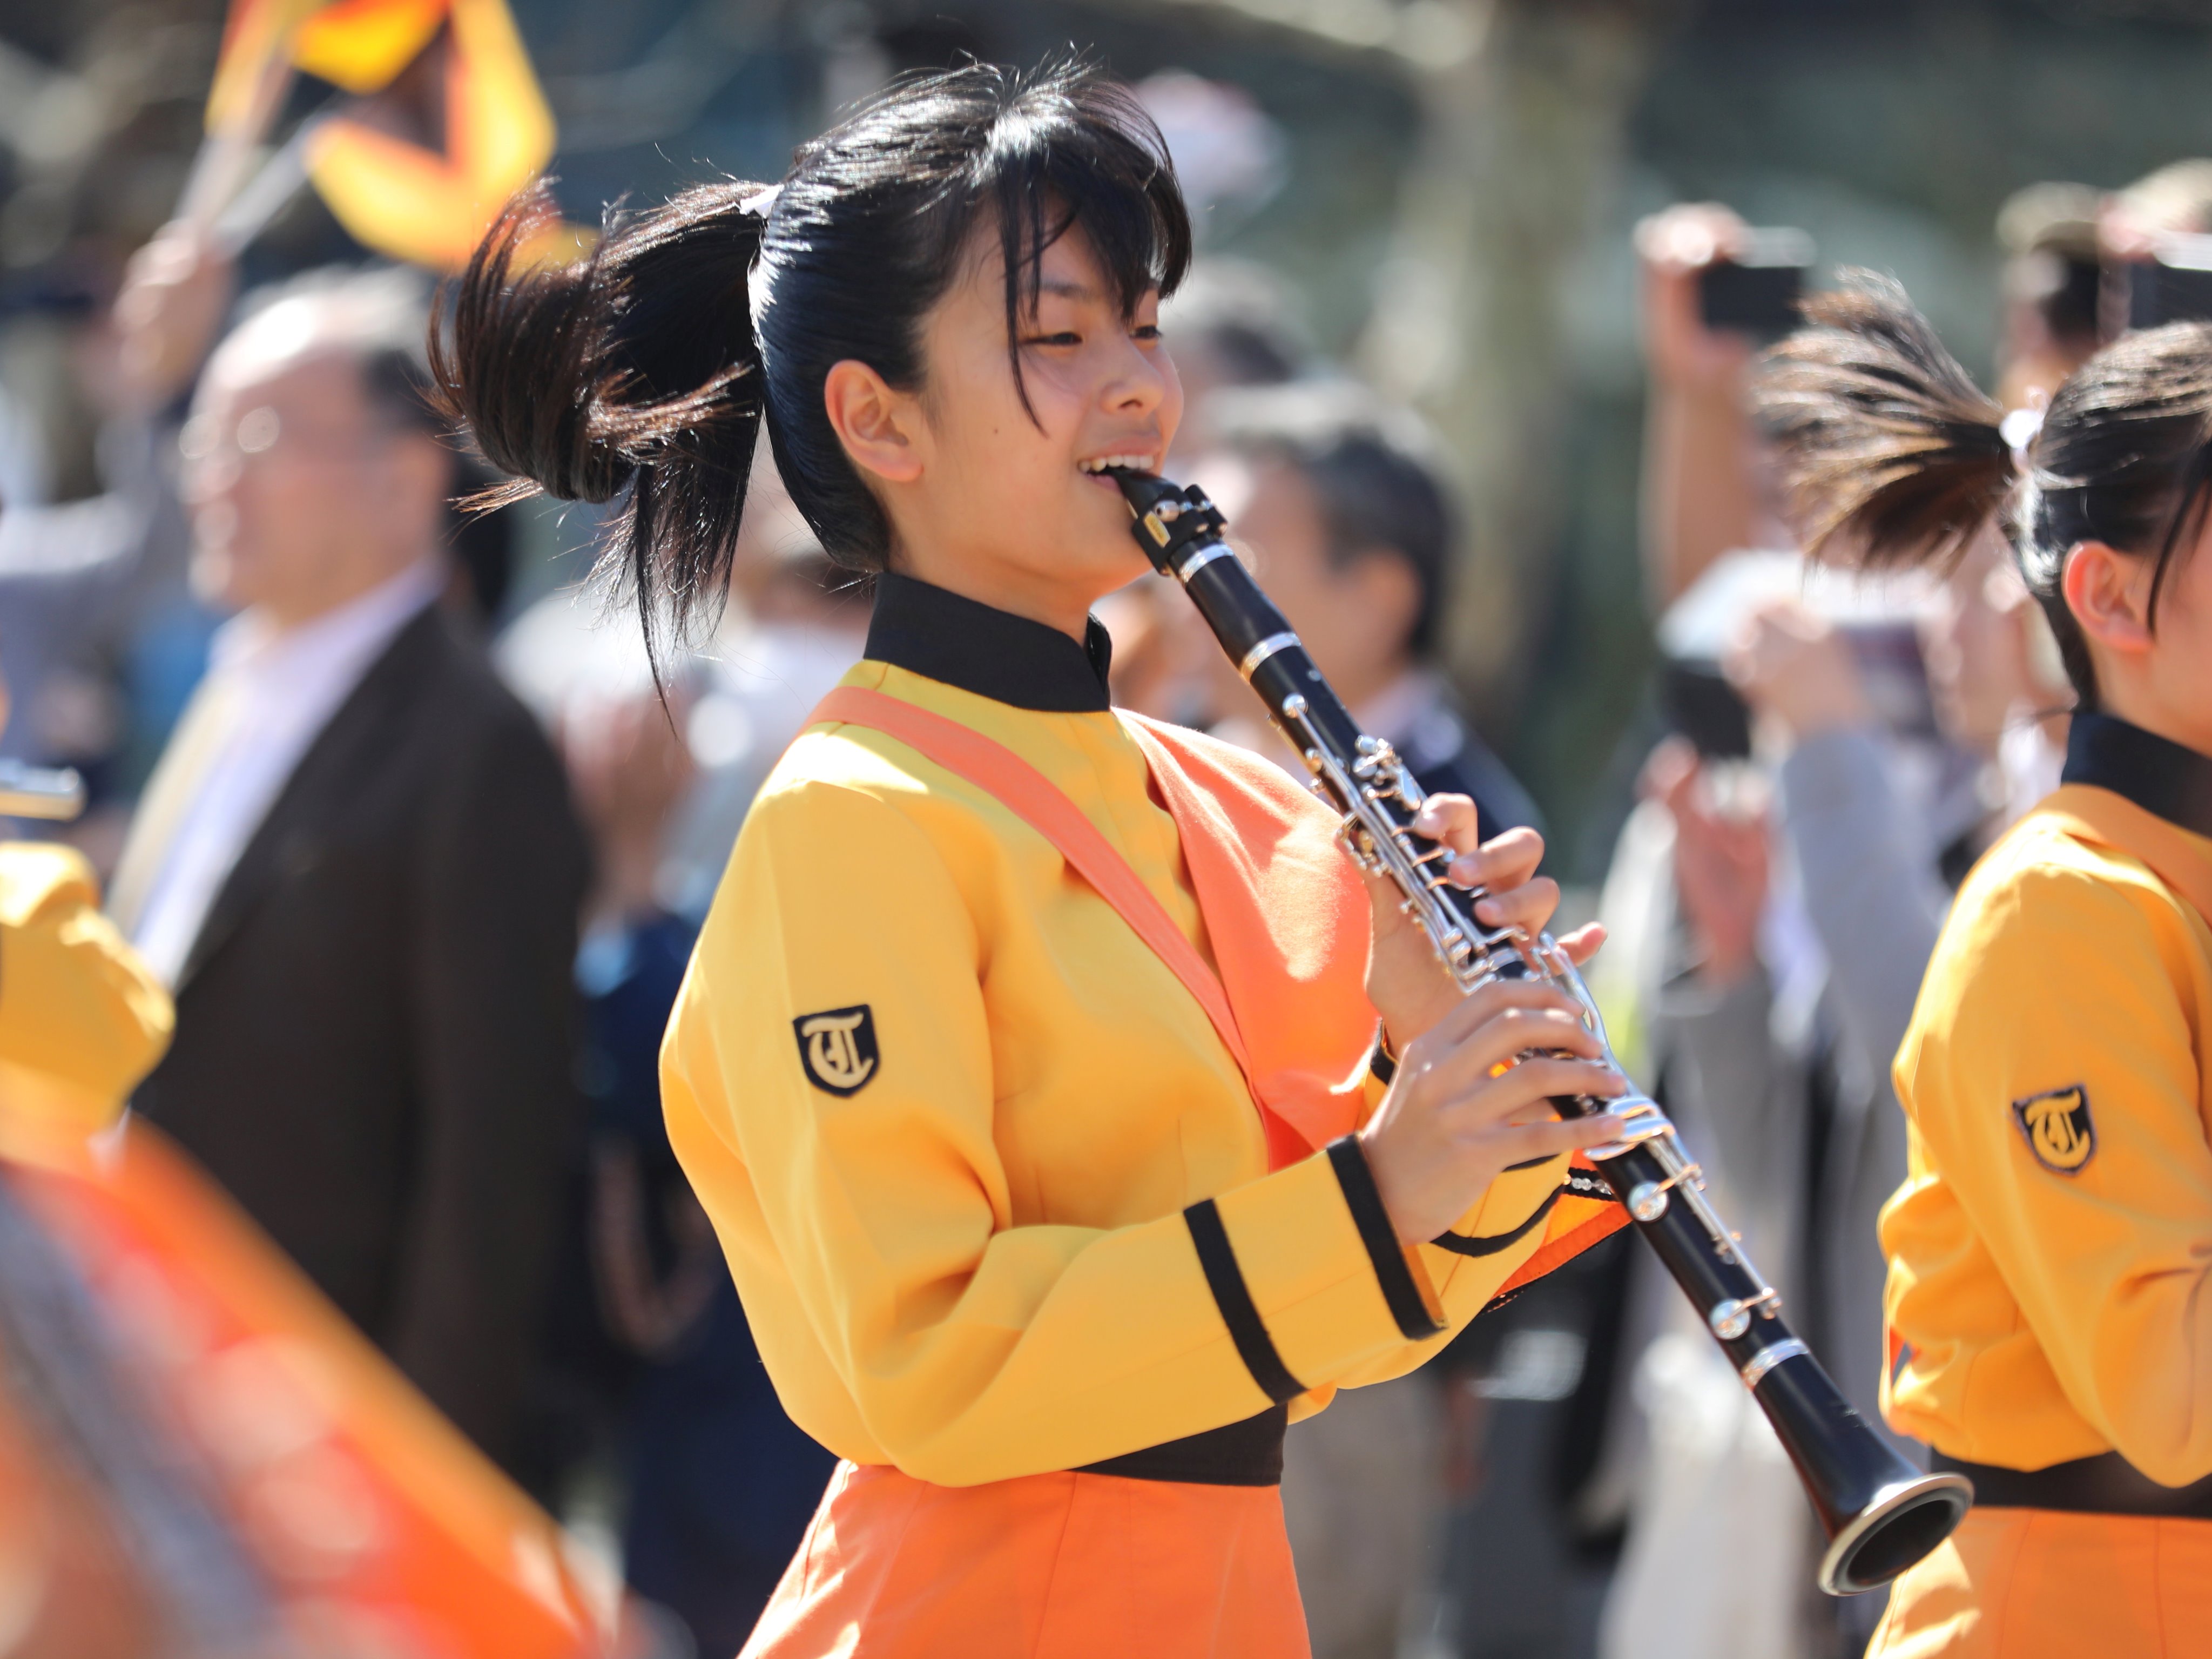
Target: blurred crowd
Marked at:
422, 867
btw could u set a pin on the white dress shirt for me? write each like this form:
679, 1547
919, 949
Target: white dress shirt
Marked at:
268, 694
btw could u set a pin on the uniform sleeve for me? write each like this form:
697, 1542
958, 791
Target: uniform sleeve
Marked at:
76, 1004
2059, 1099
974, 1349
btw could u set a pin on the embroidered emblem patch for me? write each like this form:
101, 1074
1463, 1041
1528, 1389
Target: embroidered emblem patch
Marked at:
2058, 1127
837, 1047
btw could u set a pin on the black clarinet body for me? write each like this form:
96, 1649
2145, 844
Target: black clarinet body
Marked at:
1880, 1513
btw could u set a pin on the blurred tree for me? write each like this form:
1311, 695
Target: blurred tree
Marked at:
1525, 104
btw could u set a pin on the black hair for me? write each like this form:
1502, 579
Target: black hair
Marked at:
1893, 457
645, 370
1374, 468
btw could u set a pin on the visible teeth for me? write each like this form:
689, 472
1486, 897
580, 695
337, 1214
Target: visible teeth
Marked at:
1127, 462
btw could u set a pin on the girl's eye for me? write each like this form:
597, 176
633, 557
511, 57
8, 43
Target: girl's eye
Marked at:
1067, 337
1147, 330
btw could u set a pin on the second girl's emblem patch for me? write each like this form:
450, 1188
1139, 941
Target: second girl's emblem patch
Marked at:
2058, 1127
837, 1047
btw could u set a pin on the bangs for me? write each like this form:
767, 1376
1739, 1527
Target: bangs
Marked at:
1068, 150
1084, 153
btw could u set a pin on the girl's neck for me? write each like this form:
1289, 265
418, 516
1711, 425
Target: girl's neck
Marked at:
2135, 704
1000, 586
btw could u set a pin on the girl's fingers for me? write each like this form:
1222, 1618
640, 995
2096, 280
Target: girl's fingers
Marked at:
1503, 1041
1500, 865
1466, 1017
1520, 1143
1450, 819
1498, 1100
1582, 944
1527, 907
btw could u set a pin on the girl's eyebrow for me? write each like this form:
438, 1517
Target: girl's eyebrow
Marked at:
1067, 290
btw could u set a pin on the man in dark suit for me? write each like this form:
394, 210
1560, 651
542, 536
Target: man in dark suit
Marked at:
357, 867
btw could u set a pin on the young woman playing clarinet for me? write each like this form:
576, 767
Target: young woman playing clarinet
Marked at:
1029, 1062
2050, 1322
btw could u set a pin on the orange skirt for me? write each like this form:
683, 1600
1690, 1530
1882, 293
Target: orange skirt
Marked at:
2043, 1584
1048, 1566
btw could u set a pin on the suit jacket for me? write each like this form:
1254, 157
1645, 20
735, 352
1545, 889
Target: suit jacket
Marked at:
1448, 758
373, 1048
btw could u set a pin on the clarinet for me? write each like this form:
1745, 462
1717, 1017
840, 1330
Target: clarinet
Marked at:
1880, 1513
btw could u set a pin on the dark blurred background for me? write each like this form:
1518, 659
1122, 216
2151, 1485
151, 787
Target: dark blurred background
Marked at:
1446, 187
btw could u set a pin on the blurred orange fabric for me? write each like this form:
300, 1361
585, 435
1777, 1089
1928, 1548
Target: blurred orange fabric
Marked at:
365, 1507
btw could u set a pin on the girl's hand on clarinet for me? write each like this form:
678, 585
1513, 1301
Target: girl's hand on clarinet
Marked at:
1454, 1121
1405, 982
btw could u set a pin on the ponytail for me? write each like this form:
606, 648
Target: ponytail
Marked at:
1892, 457
634, 369
1891, 454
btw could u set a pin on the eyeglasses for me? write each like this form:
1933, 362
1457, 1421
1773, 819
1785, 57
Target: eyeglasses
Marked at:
261, 432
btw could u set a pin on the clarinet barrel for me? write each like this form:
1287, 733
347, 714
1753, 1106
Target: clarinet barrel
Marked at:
1880, 1514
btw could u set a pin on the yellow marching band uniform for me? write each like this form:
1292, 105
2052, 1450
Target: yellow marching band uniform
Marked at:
2049, 1322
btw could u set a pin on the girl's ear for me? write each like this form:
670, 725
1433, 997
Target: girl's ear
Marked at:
876, 424
2109, 593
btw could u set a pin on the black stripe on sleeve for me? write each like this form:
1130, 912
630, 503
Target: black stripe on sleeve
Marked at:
1246, 1328
1391, 1272
1491, 1243
1380, 1064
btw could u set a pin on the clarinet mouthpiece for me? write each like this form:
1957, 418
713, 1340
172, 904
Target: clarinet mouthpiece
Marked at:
1142, 490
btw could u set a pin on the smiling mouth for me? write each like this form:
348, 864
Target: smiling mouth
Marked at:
1105, 466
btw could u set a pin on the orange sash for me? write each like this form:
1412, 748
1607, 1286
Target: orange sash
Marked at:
1285, 910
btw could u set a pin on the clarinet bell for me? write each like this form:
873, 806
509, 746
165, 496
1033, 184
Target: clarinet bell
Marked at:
1880, 1514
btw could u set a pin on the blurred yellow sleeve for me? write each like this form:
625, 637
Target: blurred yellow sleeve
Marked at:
81, 1018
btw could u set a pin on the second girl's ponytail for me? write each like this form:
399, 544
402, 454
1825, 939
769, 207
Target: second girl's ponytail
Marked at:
634, 369
1891, 455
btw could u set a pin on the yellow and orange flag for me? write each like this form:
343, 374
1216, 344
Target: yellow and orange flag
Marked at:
447, 122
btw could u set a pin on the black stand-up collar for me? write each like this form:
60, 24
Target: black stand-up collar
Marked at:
2156, 773
994, 653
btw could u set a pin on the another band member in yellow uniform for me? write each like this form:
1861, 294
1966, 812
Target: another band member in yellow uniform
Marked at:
1024, 1062
2050, 1317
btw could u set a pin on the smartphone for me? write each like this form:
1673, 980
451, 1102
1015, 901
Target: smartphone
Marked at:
1756, 292
1695, 700
2174, 285
40, 791
1893, 674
